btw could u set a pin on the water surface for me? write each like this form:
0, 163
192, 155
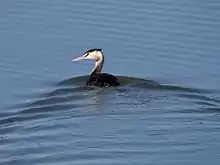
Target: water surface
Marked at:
165, 53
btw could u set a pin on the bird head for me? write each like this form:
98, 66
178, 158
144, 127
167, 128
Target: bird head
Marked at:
92, 54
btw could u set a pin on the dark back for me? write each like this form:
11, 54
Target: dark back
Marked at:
102, 80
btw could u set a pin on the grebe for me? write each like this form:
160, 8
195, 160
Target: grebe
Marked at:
96, 77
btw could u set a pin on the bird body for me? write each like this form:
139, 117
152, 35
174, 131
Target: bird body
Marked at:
102, 80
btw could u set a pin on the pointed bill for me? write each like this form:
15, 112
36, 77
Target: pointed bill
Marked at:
78, 58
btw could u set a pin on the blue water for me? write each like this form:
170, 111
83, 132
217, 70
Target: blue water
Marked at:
47, 116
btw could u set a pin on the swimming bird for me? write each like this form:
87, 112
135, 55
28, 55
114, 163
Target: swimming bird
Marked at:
96, 77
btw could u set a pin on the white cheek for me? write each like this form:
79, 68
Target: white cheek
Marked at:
91, 56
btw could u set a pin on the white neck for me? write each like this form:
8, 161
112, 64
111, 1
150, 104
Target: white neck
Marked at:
99, 63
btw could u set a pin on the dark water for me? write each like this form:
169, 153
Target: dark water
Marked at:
166, 54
